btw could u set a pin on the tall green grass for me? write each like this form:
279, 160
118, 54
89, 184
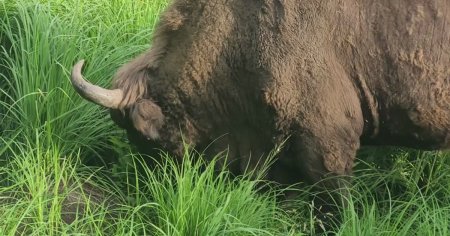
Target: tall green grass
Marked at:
195, 198
410, 198
37, 190
47, 130
39, 186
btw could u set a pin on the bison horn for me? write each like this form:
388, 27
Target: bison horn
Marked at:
101, 96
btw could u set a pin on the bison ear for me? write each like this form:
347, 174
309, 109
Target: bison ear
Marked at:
147, 118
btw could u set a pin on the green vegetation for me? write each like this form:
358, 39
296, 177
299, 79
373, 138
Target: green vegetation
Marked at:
66, 169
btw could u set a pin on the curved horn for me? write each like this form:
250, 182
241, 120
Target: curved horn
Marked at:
101, 96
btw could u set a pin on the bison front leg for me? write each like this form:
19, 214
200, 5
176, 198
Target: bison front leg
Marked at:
325, 155
325, 163
322, 109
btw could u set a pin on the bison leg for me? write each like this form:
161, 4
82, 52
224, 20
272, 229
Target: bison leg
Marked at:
326, 157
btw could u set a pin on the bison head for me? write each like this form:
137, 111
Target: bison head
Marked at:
184, 78
146, 117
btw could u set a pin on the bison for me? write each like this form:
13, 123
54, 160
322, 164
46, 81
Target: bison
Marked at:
327, 76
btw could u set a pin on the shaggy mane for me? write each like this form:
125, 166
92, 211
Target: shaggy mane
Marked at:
133, 77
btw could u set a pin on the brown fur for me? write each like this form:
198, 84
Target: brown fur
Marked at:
329, 74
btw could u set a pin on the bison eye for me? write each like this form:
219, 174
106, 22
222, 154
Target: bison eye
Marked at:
120, 117
152, 72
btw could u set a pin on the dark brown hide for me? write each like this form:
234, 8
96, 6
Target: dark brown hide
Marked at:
246, 75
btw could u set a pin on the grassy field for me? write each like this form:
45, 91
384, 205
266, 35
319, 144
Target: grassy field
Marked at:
65, 169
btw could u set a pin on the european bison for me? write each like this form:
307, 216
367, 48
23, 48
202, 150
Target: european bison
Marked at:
327, 76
